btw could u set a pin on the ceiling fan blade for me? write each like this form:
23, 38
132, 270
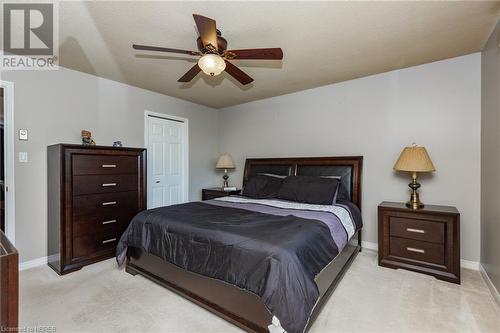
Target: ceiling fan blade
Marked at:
237, 73
164, 49
270, 53
190, 74
206, 28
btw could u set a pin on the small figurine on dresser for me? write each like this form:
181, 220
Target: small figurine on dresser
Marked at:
87, 138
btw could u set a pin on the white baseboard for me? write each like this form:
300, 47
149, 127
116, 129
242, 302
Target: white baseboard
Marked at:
369, 246
489, 283
32, 263
474, 265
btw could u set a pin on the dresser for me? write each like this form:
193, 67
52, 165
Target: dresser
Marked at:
9, 285
216, 192
426, 240
93, 193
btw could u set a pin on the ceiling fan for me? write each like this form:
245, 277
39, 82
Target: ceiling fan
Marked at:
214, 54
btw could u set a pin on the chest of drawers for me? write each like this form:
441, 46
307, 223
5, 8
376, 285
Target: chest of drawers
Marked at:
93, 193
425, 240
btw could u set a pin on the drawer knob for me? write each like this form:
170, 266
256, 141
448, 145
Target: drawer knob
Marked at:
109, 222
109, 185
412, 249
109, 165
418, 231
108, 240
109, 203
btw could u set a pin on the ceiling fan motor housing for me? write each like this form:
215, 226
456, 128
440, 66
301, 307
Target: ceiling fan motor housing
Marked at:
221, 44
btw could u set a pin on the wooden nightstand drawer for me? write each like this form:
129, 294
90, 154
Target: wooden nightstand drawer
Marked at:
417, 250
216, 192
428, 231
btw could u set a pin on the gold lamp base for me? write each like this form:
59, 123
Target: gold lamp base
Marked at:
225, 178
414, 202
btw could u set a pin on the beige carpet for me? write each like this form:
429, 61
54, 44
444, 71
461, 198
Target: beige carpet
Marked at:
103, 298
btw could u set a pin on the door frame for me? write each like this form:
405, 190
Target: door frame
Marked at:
9, 162
185, 180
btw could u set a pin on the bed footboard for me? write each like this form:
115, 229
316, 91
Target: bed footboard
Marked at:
235, 305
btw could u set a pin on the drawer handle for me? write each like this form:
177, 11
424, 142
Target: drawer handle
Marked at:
108, 222
109, 185
109, 203
109, 165
412, 249
418, 231
109, 240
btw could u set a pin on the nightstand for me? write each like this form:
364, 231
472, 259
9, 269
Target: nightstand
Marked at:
216, 192
426, 240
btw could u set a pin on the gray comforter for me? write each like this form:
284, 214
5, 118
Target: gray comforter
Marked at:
272, 249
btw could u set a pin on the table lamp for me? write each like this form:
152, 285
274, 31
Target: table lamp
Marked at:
414, 159
225, 162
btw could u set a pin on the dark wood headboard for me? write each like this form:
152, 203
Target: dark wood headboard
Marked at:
348, 168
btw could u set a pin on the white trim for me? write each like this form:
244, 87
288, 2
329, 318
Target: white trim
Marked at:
32, 263
9, 132
489, 283
474, 265
186, 149
369, 246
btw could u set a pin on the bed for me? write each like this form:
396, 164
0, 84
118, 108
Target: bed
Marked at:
251, 280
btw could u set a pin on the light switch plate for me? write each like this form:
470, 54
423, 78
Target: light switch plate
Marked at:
23, 134
23, 156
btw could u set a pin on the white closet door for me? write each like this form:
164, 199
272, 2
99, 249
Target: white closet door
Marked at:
166, 170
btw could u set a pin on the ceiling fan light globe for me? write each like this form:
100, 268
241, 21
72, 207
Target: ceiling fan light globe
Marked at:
212, 64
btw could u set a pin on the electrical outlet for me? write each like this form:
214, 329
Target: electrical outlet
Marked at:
23, 156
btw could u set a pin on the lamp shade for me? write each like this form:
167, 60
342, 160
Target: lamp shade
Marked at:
414, 159
225, 162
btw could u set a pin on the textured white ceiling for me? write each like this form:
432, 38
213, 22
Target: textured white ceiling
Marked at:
323, 42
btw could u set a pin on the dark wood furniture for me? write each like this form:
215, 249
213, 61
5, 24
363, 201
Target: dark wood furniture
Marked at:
9, 285
238, 306
216, 192
93, 193
425, 240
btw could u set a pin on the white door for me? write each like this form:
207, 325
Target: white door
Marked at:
166, 162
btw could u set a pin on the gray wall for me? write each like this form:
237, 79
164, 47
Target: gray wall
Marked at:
55, 105
436, 105
490, 158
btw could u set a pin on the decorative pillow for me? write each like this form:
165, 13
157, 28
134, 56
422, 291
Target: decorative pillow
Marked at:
309, 189
262, 187
342, 193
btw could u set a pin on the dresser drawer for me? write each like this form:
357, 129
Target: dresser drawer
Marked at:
107, 204
96, 224
95, 245
417, 250
93, 184
104, 164
428, 231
